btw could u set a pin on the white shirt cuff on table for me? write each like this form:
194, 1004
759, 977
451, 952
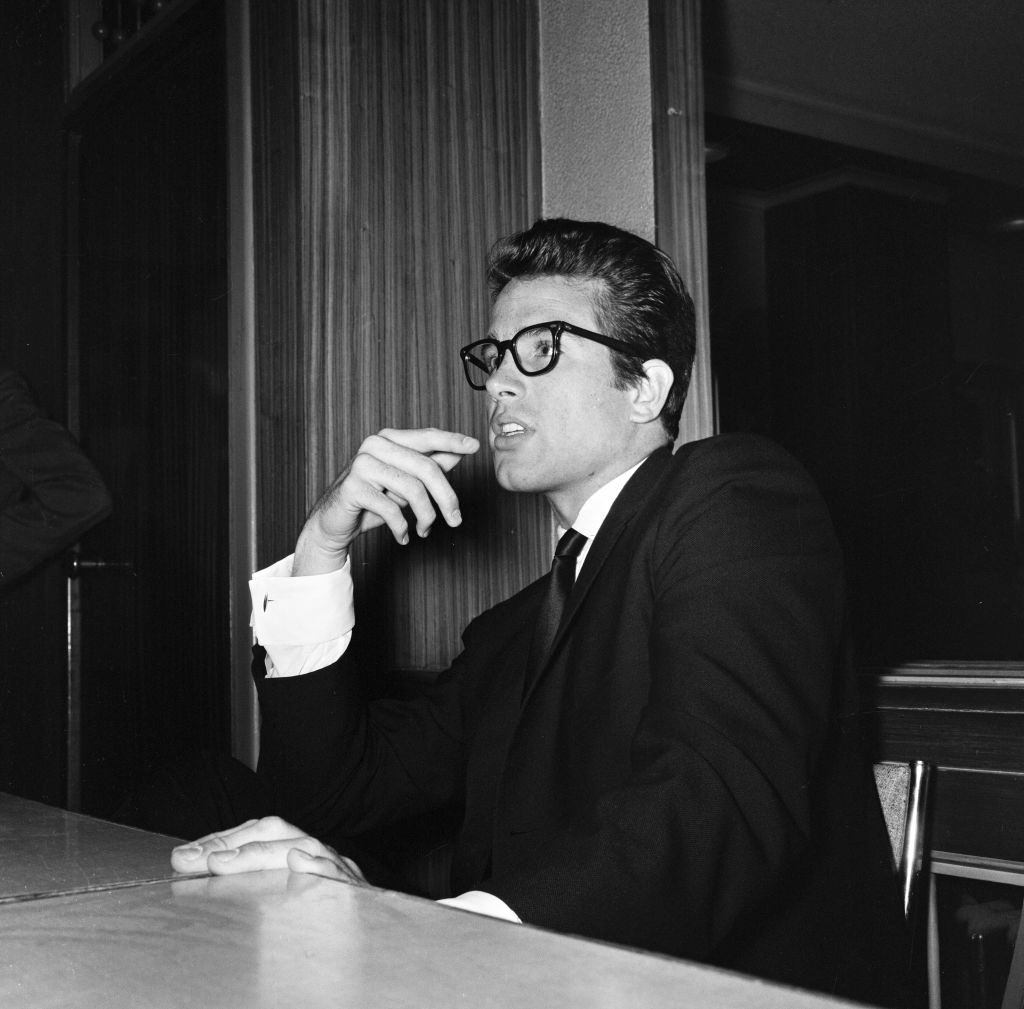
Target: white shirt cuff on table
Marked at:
480, 902
304, 623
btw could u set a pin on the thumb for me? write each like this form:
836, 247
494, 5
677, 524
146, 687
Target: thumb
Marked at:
302, 861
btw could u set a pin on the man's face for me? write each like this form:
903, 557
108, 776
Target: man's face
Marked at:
566, 433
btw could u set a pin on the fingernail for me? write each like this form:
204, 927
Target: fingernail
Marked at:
188, 852
404, 540
225, 856
455, 517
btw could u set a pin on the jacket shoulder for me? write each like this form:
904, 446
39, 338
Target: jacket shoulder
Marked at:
745, 493
752, 452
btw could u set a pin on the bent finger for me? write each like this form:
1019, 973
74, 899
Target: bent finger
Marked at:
446, 460
401, 473
193, 857
259, 855
329, 864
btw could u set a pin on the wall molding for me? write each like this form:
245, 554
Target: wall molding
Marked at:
817, 116
860, 178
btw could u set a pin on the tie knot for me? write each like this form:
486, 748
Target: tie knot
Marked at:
570, 544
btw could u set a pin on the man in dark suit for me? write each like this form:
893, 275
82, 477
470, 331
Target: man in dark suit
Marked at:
678, 767
50, 493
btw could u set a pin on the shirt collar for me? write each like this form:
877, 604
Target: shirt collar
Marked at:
595, 510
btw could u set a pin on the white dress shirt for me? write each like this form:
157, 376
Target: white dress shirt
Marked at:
306, 623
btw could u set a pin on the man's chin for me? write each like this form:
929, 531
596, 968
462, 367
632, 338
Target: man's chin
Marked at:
511, 477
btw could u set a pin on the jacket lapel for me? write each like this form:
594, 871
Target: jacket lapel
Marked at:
503, 720
626, 505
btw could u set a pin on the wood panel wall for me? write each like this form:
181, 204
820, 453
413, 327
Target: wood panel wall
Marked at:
677, 116
388, 156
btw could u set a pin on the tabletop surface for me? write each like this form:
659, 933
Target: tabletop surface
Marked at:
91, 915
44, 850
282, 939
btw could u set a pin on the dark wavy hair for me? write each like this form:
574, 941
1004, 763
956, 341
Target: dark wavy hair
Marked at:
642, 299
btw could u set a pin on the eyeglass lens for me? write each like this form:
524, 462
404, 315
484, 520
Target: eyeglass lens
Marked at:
532, 349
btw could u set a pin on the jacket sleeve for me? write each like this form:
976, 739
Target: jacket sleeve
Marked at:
339, 766
53, 493
741, 632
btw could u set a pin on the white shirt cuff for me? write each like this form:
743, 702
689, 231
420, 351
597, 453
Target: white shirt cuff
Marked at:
304, 623
480, 902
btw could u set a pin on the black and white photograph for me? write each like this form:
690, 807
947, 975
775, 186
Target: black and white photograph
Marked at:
511, 503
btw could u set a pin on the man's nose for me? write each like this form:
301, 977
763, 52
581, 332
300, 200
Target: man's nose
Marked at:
506, 379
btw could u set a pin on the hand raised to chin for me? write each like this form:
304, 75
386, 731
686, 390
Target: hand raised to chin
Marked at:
393, 470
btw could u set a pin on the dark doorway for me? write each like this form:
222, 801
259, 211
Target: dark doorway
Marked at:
148, 302
866, 312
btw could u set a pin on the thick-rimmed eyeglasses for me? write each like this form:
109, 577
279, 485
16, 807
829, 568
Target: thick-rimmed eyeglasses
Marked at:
535, 350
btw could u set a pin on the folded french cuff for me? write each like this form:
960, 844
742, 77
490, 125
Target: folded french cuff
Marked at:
304, 623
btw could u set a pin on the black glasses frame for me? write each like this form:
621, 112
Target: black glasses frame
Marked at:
472, 364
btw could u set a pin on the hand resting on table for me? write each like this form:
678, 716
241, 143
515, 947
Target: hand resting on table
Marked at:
268, 843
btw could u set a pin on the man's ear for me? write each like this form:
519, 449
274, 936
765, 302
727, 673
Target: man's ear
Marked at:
651, 391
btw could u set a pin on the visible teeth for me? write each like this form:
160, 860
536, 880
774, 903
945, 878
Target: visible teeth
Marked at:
512, 428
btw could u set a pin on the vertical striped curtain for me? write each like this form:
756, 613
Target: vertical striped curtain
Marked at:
393, 143
677, 95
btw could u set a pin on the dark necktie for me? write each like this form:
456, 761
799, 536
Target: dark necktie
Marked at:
556, 592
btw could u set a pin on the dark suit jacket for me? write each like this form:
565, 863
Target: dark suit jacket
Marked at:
683, 776
49, 491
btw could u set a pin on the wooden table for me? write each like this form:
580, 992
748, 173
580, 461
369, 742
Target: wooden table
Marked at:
282, 939
45, 850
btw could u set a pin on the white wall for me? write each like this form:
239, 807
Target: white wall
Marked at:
596, 112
